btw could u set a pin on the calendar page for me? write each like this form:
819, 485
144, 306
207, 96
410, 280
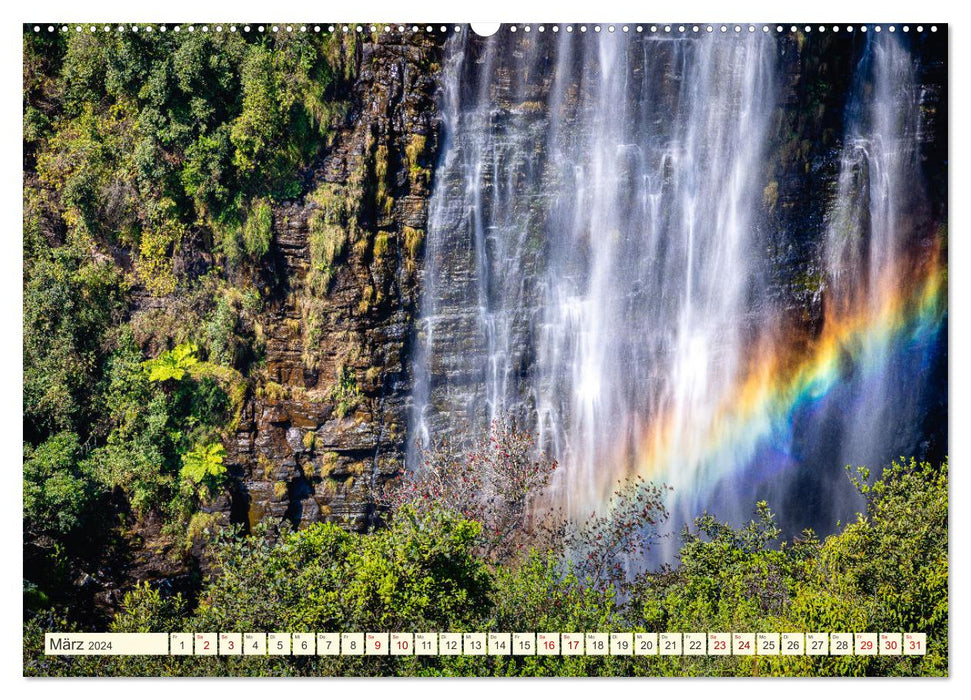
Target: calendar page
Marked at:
444, 349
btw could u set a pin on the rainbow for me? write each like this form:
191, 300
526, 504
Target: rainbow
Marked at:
786, 370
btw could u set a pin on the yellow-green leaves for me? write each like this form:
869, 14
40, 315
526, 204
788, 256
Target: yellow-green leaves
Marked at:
203, 468
172, 364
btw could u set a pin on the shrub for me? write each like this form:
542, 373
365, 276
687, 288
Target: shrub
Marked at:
203, 469
58, 486
69, 305
495, 482
345, 393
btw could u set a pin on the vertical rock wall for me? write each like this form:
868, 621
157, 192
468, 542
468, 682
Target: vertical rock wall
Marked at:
325, 426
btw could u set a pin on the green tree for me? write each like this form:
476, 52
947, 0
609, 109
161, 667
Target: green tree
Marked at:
58, 488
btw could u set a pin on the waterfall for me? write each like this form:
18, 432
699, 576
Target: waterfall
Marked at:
876, 246
595, 263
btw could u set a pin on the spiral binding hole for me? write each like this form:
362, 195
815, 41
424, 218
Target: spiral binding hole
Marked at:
526, 28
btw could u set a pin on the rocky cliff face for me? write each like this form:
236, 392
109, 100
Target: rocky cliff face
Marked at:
328, 426
325, 428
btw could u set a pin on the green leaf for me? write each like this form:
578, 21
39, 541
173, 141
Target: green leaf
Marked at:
172, 364
203, 467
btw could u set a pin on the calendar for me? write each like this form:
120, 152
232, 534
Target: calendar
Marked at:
472, 644
612, 349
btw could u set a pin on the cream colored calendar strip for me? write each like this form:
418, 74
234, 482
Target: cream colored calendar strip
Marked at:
106, 644
251, 644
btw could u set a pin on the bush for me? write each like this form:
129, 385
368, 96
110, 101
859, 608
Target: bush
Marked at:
58, 487
345, 393
159, 417
495, 482
421, 574
172, 364
145, 609
70, 303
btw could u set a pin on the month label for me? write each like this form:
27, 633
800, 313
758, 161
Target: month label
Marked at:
108, 643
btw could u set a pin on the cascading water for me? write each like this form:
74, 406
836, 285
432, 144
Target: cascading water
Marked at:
596, 270
872, 233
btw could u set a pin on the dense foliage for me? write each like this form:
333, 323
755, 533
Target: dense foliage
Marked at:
152, 161
146, 135
431, 570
